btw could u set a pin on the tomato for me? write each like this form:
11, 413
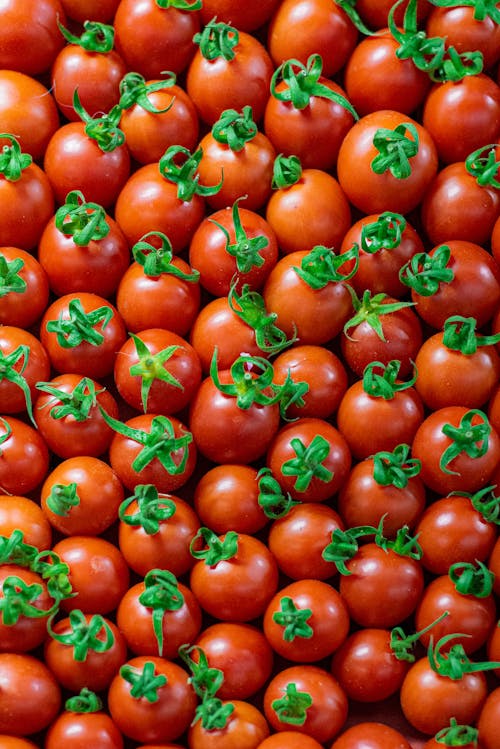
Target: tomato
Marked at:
368, 735
31, 697
26, 605
30, 38
99, 10
81, 496
374, 12
82, 334
24, 457
79, 730
488, 720
458, 448
306, 621
28, 517
84, 650
12, 742
366, 666
24, 292
474, 104
494, 565
326, 712
23, 359
373, 191
156, 36
158, 706
98, 573
68, 416
245, 728
245, 17
301, 27
289, 740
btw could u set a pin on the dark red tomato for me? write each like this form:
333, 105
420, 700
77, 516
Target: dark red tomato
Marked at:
451, 530
98, 10
23, 357
89, 652
153, 37
95, 267
24, 457
375, 191
375, 12
30, 38
13, 742
376, 78
366, 667
494, 565
495, 240
226, 498
296, 304
364, 501
82, 334
368, 735
164, 718
474, 105
464, 462
80, 730
246, 17
24, 292
371, 424
306, 621
243, 655
139, 622
238, 588
98, 573
289, 740
26, 605
310, 459
473, 616
149, 134
145, 548
313, 211
298, 539
28, 517
300, 28
380, 260
456, 206
28, 110
494, 408
327, 712
218, 84
383, 588
249, 253
488, 720
31, 697
74, 161
69, 418
324, 374
158, 371
493, 646
93, 505
429, 700
245, 728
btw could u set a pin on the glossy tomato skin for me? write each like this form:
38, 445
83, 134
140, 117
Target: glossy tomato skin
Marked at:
27, 515
368, 735
28, 632
29, 204
33, 367
23, 309
289, 740
462, 30
24, 461
487, 723
374, 12
246, 728
98, 10
494, 565
31, 697
313, 211
77, 731
371, 192
245, 17
15, 742
30, 38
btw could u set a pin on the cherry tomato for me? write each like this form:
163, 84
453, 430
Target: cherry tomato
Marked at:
30, 38
28, 517
79, 730
246, 728
23, 358
26, 605
24, 457
31, 697
289, 740
368, 735
25, 289
488, 720
98, 10
245, 17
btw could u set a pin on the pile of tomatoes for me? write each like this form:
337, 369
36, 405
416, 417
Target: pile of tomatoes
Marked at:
249, 374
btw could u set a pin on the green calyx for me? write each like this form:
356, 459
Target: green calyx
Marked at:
293, 706
293, 620
459, 334
12, 367
402, 645
384, 383
484, 501
96, 37
271, 499
77, 404
213, 713
180, 4
457, 735
206, 681
291, 393
13, 550
383, 234
482, 8
395, 149
402, 544
85, 222
17, 601
468, 438
152, 510
104, 130
235, 129
84, 702
161, 594
159, 443
94, 635
11, 281
62, 499
321, 266
48, 564
80, 326
308, 462
472, 580
151, 367
250, 307
216, 549
246, 250
302, 82
217, 40
370, 309
395, 468
12, 161
180, 166
145, 682
158, 260
251, 377
425, 273
349, 8
455, 663
134, 90
483, 164
287, 170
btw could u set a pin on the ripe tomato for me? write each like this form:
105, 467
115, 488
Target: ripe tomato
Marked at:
26, 607
24, 363
374, 12
28, 517
371, 736
487, 722
79, 730
24, 457
245, 728
13, 742
31, 697
245, 17
289, 740
462, 29
99, 10
24, 291
30, 38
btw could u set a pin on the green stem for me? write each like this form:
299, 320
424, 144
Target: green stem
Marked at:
395, 468
217, 40
287, 170
395, 150
206, 681
62, 498
245, 250
135, 91
293, 706
457, 735
402, 644
84, 222
344, 546
144, 682
385, 384
271, 499
473, 440
470, 580
84, 703
80, 326
77, 404
370, 309
152, 509
455, 663
216, 549
104, 130
161, 594
293, 620
425, 273
151, 367
484, 168
385, 233
11, 281
250, 307
459, 334
308, 462
12, 367
251, 376
12, 161
17, 601
94, 635
235, 129
96, 37
321, 266
158, 260
184, 174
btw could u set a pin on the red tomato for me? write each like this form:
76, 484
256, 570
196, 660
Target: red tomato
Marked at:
25, 290
289, 740
371, 736
24, 457
24, 363
30, 38
26, 605
12, 742
375, 12
28, 517
246, 17
98, 10
488, 720
31, 697
79, 730
245, 728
